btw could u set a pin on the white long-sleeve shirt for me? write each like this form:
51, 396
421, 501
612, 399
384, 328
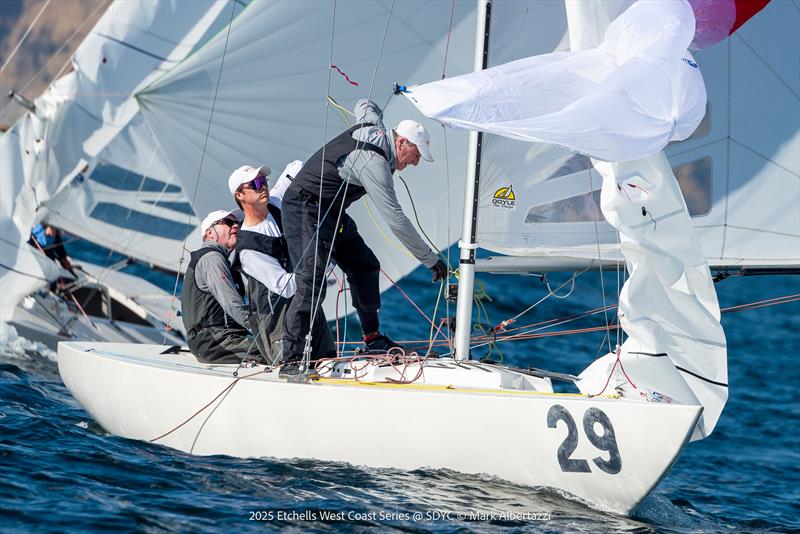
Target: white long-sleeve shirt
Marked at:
264, 267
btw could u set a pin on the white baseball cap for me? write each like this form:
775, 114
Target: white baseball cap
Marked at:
417, 134
245, 174
218, 215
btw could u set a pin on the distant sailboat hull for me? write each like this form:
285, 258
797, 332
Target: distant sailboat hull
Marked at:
608, 452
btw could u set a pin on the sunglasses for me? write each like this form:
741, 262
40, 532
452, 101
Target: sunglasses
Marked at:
227, 222
256, 184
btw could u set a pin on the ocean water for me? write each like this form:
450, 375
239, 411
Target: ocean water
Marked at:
59, 471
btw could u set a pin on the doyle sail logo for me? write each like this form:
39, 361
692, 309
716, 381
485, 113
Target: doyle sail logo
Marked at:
504, 198
690, 62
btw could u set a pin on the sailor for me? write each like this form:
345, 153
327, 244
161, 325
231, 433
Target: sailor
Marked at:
213, 309
360, 161
264, 257
48, 239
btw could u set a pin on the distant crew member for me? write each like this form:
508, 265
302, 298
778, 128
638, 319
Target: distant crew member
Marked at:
48, 239
360, 161
264, 257
213, 309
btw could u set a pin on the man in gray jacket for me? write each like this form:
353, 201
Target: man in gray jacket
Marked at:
360, 161
214, 312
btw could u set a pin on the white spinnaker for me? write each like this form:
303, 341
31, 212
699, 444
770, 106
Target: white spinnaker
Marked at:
628, 97
82, 112
743, 158
271, 103
676, 347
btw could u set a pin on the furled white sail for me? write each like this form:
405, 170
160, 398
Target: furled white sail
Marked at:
743, 158
676, 349
269, 102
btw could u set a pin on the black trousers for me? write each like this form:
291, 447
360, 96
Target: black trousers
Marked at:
221, 344
349, 251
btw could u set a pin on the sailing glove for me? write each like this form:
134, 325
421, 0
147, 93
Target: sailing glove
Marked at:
440, 271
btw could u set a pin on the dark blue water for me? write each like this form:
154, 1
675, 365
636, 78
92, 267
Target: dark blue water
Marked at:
60, 471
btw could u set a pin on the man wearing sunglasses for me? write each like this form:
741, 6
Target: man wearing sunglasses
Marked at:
212, 305
360, 161
264, 257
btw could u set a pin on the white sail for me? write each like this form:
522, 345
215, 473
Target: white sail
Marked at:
270, 105
130, 202
676, 350
744, 155
622, 100
82, 112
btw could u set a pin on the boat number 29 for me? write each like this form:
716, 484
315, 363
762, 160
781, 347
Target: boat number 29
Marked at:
605, 442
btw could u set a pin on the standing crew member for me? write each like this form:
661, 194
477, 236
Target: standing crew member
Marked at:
264, 257
360, 161
212, 307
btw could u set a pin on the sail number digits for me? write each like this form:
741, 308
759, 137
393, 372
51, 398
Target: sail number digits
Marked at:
605, 442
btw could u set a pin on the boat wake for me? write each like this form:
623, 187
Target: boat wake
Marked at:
12, 345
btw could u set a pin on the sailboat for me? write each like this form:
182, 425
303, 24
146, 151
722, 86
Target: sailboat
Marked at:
608, 445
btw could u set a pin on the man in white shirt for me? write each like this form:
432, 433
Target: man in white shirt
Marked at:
264, 257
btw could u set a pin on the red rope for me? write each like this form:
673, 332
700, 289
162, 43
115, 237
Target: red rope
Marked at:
346, 77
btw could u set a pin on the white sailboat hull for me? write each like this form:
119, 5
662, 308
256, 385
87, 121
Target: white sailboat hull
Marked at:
515, 435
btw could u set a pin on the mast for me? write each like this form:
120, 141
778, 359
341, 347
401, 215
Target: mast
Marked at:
467, 244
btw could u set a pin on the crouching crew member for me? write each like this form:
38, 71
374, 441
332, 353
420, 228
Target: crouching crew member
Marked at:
213, 309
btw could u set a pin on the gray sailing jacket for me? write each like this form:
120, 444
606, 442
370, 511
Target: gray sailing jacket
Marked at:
211, 274
374, 173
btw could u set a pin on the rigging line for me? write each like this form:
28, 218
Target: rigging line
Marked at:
307, 346
416, 218
389, 240
316, 305
202, 157
24, 36
600, 257
764, 61
447, 44
532, 306
6, 267
54, 55
412, 302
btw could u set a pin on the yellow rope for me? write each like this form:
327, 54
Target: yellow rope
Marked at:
455, 389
